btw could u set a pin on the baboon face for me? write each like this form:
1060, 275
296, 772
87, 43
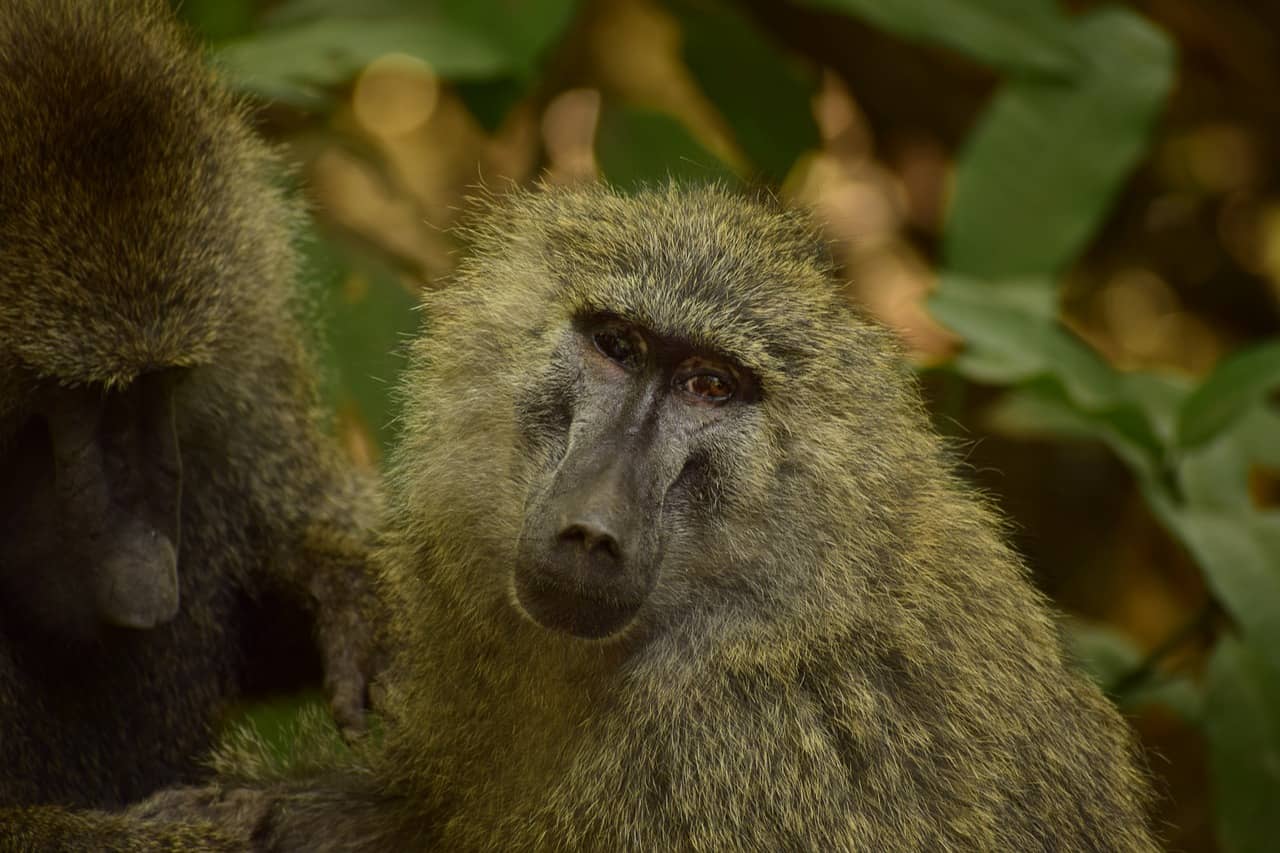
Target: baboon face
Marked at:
617, 418
637, 426
90, 489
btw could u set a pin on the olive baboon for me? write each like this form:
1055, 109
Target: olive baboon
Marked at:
676, 563
175, 522
679, 563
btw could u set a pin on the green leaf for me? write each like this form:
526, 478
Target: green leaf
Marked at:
636, 147
1017, 36
1012, 336
364, 330
1237, 385
1043, 407
1239, 553
1242, 717
1136, 423
1159, 396
297, 62
1040, 409
521, 31
1236, 546
1216, 474
1041, 169
762, 93
314, 45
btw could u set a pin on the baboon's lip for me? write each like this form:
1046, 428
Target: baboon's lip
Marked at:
579, 612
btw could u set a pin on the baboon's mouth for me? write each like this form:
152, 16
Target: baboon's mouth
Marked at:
585, 613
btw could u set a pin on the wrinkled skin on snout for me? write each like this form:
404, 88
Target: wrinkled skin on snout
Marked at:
631, 435
93, 483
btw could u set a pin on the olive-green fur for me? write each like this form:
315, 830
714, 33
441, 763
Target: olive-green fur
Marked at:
138, 225
142, 227
848, 658
47, 829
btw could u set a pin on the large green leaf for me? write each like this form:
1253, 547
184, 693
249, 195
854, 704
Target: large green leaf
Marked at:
1239, 553
1005, 345
523, 32
1136, 423
1216, 474
1242, 717
1160, 397
1018, 36
1236, 546
1044, 408
636, 147
1230, 392
762, 93
1012, 336
296, 63
517, 30
1039, 172
310, 46
520, 30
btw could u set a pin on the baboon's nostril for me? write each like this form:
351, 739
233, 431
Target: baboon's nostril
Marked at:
592, 538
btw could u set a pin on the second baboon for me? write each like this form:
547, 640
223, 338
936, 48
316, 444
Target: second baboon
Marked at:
677, 563
175, 527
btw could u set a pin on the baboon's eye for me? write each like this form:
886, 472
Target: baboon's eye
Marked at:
620, 344
707, 384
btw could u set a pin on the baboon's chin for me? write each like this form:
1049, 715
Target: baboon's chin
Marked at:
571, 612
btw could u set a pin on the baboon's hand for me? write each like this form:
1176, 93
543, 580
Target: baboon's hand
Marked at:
353, 657
184, 803
349, 638
237, 811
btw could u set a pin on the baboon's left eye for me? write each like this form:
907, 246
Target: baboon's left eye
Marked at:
708, 386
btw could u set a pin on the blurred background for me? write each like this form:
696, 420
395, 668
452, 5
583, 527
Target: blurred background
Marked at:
1069, 212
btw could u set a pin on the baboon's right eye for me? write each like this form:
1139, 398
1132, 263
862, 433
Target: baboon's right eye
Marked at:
620, 344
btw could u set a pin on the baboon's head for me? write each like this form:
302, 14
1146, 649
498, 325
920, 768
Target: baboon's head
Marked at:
140, 239
132, 218
633, 410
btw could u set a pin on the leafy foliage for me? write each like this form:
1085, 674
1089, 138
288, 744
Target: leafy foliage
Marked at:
1048, 155
1243, 723
1017, 36
637, 146
763, 94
